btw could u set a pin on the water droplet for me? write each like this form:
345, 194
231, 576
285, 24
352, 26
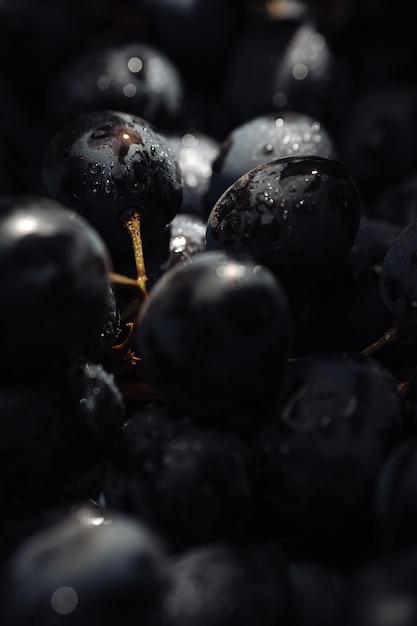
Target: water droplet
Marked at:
268, 148
94, 168
135, 64
103, 82
129, 90
300, 71
64, 600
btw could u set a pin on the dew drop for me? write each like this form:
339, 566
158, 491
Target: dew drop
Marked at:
268, 148
94, 168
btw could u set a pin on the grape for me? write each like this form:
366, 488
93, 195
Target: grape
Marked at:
297, 215
89, 567
397, 203
262, 139
20, 521
118, 171
348, 312
383, 591
188, 237
380, 136
99, 347
280, 64
132, 77
52, 431
318, 595
186, 30
191, 483
218, 584
195, 153
54, 279
395, 499
398, 280
336, 419
238, 315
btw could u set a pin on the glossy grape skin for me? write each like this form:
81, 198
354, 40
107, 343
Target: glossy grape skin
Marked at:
383, 591
221, 584
280, 64
19, 521
337, 418
195, 153
191, 483
398, 280
53, 430
104, 163
188, 237
397, 203
318, 595
348, 313
297, 215
395, 499
378, 142
99, 347
54, 283
136, 78
262, 139
238, 315
185, 29
89, 567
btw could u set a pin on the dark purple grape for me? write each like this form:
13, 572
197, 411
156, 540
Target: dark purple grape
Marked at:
378, 142
336, 419
18, 522
190, 483
348, 313
297, 215
41, 35
398, 280
214, 337
54, 282
99, 347
136, 78
89, 567
219, 584
383, 591
188, 237
397, 203
110, 166
186, 28
318, 595
281, 64
395, 499
52, 431
195, 153
262, 139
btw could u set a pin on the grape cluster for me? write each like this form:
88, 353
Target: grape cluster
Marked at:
208, 313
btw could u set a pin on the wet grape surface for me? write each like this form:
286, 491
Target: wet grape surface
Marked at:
208, 313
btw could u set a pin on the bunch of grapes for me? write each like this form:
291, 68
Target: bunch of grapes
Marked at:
208, 278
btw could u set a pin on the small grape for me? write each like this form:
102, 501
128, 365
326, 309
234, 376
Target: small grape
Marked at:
297, 215
214, 336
